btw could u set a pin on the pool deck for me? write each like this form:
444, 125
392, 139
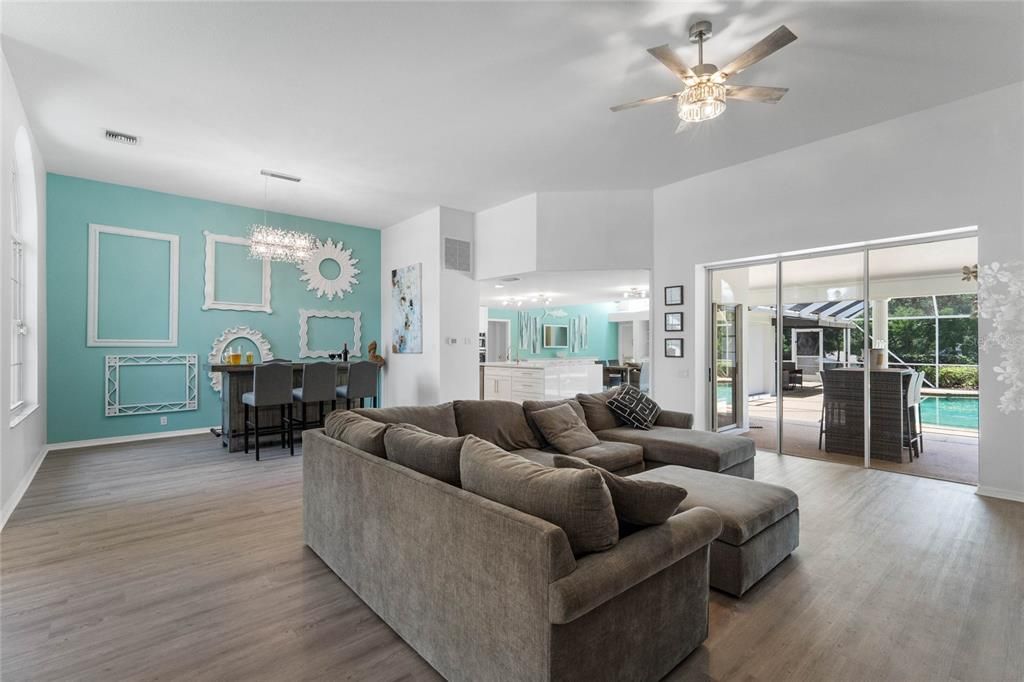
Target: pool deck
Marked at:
949, 454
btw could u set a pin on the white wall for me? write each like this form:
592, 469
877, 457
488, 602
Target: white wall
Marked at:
956, 165
460, 317
22, 446
506, 239
413, 378
443, 371
605, 230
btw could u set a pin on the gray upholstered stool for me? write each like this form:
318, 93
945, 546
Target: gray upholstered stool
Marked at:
760, 522
362, 384
319, 383
271, 386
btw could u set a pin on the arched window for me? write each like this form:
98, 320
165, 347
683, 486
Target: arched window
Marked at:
24, 274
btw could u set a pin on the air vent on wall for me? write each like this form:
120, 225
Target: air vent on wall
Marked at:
123, 138
457, 255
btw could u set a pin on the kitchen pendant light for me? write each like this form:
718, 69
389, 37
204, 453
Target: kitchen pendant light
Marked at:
276, 244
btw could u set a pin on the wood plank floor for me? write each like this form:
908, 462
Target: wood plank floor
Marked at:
176, 560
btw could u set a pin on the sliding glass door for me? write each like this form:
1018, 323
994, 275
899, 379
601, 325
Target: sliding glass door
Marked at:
865, 356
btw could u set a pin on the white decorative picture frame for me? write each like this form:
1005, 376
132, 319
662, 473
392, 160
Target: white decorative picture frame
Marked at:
316, 281
93, 288
221, 343
112, 384
304, 317
210, 294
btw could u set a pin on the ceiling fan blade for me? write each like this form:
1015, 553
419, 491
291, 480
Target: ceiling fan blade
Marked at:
775, 41
667, 56
648, 100
755, 93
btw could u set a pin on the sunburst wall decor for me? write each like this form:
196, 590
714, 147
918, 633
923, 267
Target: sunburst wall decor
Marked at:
324, 286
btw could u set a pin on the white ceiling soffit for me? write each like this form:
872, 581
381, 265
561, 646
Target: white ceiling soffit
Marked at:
388, 109
563, 288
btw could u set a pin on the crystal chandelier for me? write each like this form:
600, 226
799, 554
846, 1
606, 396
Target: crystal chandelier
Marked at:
702, 101
274, 243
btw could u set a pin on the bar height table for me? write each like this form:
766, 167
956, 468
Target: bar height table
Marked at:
844, 412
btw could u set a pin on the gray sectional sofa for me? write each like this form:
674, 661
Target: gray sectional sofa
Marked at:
485, 592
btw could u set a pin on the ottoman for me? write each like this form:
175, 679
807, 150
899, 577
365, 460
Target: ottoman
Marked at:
760, 522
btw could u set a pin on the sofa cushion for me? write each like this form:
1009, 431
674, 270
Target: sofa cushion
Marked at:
595, 407
425, 452
563, 428
356, 430
576, 501
611, 456
746, 507
634, 407
545, 457
637, 502
439, 419
697, 449
501, 422
531, 406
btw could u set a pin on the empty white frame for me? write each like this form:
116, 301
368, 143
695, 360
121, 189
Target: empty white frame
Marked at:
112, 390
211, 302
93, 337
304, 315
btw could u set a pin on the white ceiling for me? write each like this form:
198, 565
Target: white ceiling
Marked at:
387, 109
564, 288
933, 259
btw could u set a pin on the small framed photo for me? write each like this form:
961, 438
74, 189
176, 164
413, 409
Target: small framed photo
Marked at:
674, 295
673, 322
673, 348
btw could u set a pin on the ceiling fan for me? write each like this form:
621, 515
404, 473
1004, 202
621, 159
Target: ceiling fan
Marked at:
705, 93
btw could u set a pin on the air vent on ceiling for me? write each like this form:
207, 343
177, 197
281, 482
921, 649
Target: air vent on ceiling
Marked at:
123, 138
280, 176
457, 255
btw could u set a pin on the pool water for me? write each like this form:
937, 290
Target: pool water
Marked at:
957, 411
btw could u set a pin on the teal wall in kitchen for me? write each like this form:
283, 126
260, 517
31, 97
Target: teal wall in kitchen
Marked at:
133, 281
604, 335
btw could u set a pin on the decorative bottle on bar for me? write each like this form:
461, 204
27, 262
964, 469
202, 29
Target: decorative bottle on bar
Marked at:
344, 352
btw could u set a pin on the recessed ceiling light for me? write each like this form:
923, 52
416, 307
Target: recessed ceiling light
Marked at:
499, 286
122, 138
509, 279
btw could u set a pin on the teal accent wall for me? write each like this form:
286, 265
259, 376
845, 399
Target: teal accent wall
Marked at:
75, 383
604, 335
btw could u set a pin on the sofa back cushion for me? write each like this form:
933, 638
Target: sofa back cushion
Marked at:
637, 503
531, 406
501, 422
428, 453
356, 430
595, 407
564, 429
439, 419
576, 501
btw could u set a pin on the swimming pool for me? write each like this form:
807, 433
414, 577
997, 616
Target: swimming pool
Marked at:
956, 411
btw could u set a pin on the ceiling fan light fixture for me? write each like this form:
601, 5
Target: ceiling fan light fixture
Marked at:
702, 102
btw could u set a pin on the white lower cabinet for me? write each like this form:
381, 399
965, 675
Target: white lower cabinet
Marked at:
540, 383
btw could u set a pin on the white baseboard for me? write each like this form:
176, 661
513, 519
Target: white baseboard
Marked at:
988, 491
115, 440
19, 492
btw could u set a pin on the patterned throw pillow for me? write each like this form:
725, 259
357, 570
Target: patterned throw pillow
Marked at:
634, 408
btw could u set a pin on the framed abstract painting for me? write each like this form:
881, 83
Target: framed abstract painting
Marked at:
407, 309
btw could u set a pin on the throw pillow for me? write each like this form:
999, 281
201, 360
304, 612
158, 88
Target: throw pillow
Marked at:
595, 408
356, 430
634, 408
425, 452
578, 502
531, 406
637, 503
563, 428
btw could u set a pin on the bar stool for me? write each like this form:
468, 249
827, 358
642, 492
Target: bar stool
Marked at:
319, 383
362, 384
272, 386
